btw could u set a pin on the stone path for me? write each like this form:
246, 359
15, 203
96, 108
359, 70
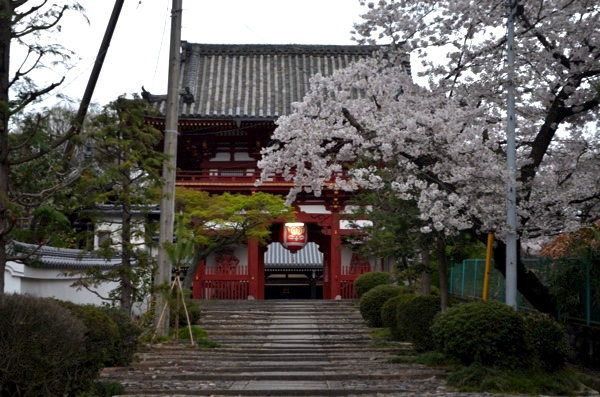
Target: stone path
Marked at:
279, 348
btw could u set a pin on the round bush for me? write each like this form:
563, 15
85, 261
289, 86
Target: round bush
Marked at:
101, 336
547, 339
128, 341
372, 301
389, 317
367, 281
41, 347
415, 317
489, 333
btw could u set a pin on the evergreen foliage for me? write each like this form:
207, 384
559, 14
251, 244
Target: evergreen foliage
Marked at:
389, 315
547, 339
178, 311
367, 281
128, 341
123, 174
101, 336
414, 319
42, 349
485, 332
372, 301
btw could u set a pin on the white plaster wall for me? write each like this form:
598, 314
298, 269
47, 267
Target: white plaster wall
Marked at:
113, 225
314, 209
13, 274
346, 256
345, 225
49, 283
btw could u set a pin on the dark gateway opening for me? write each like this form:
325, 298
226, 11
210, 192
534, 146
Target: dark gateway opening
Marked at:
296, 275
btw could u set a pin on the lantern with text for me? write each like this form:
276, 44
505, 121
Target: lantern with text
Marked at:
294, 236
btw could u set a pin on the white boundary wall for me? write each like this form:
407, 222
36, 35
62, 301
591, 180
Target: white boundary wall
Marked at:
49, 283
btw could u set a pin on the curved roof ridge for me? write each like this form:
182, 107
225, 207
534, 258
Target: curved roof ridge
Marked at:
268, 49
55, 257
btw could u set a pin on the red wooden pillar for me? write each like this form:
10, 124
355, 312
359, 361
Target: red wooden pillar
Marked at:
197, 292
326, 250
254, 273
262, 250
335, 258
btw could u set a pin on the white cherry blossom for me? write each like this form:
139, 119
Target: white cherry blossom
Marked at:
447, 140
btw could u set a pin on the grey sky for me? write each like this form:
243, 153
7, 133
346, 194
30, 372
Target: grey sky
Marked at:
139, 51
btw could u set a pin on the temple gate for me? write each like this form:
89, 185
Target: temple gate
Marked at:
231, 96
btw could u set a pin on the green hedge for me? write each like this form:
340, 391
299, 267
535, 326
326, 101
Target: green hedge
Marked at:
101, 336
414, 319
372, 302
128, 341
367, 281
42, 349
547, 339
389, 317
489, 333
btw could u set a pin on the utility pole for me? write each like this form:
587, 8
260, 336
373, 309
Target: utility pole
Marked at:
167, 203
91, 84
511, 154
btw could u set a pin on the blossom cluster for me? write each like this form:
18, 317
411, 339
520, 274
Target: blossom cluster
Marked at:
446, 142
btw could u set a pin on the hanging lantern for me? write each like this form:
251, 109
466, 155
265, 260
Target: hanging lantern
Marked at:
294, 236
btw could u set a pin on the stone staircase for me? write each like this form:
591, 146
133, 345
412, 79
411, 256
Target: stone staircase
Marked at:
278, 348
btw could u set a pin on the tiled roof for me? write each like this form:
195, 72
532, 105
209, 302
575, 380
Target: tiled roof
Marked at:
253, 81
276, 257
279, 258
63, 258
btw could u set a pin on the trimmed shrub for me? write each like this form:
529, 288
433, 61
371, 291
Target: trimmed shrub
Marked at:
389, 318
128, 342
372, 301
547, 339
489, 333
101, 336
41, 348
367, 281
415, 317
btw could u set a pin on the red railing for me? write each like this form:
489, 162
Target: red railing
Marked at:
222, 282
347, 287
224, 289
351, 273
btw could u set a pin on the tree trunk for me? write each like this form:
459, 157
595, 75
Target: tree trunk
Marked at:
528, 284
126, 284
426, 273
443, 269
6, 13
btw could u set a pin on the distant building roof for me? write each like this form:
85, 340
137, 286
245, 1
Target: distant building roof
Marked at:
254, 81
281, 259
276, 257
63, 258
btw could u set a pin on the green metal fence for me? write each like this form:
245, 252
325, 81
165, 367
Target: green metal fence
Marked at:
583, 277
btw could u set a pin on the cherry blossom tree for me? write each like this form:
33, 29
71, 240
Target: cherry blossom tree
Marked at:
448, 137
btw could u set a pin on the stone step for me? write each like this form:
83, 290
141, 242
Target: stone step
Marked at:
277, 348
325, 316
285, 334
355, 359
294, 374
292, 387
